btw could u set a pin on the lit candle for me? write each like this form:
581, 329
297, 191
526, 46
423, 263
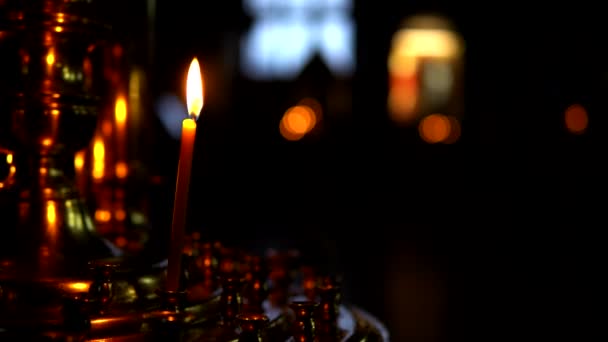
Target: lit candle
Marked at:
194, 98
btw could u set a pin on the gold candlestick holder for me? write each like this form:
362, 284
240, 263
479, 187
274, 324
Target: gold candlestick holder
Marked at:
50, 95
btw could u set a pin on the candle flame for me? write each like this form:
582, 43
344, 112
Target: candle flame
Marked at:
194, 89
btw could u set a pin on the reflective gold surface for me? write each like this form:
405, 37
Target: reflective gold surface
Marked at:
52, 73
50, 92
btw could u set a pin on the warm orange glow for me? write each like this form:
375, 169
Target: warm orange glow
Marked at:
297, 121
102, 215
47, 142
194, 89
120, 110
78, 286
576, 119
402, 100
120, 215
60, 17
11, 171
423, 42
51, 213
75, 287
54, 112
189, 125
99, 153
435, 128
79, 160
50, 57
300, 119
121, 170
58, 28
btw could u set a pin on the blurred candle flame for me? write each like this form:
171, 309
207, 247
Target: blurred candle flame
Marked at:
194, 89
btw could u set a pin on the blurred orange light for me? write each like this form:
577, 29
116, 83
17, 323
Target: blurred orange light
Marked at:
435, 128
120, 110
297, 121
121, 170
576, 119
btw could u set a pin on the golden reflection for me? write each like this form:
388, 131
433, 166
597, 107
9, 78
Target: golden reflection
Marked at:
120, 111
51, 213
52, 225
99, 153
120, 118
50, 57
78, 286
103, 215
79, 161
12, 169
79, 170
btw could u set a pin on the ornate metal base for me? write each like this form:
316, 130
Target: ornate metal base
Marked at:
121, 302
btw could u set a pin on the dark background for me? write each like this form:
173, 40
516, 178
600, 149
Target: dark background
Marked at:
489, 238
